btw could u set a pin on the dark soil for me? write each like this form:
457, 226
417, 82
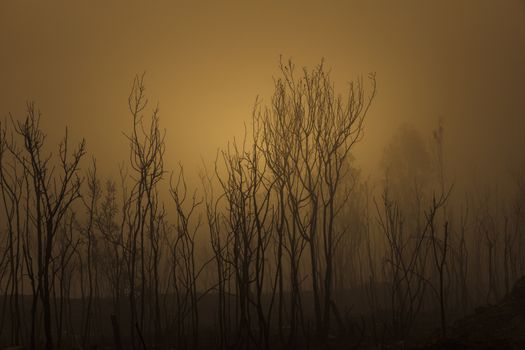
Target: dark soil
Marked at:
498, 327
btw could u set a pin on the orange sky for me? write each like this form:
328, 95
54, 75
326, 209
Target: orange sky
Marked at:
206, 61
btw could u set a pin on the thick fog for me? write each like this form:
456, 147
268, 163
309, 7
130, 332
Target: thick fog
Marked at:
461, 62
241, 175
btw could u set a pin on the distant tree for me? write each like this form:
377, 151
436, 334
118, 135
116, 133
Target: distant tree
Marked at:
407, 163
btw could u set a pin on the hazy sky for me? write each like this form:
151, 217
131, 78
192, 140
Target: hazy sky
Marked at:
206, 61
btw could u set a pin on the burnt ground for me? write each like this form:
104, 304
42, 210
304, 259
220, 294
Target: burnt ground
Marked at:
497, 327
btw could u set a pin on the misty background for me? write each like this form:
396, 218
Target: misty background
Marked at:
255, 208
456, 61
